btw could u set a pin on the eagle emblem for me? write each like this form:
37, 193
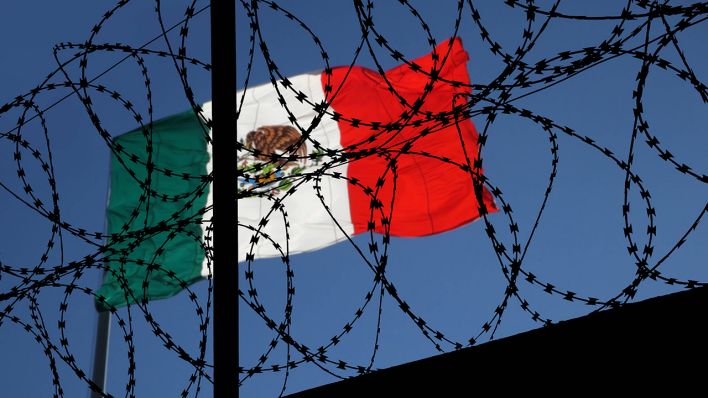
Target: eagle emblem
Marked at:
273, 156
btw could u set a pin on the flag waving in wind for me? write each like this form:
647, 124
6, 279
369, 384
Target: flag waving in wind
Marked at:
321, 157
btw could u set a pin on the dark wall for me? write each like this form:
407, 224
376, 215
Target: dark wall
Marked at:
657, 345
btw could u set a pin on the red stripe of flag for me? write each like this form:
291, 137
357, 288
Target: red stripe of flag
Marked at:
432, 195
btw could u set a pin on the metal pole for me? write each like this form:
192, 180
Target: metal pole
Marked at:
103, 330
223, 89
100, 352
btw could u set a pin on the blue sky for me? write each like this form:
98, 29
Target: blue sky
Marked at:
452, 280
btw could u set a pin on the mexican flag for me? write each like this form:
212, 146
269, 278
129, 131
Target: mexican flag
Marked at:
323, 156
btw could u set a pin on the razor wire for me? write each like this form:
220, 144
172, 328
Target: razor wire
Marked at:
656, 26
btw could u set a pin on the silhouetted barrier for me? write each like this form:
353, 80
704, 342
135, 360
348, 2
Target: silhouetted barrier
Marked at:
663, 339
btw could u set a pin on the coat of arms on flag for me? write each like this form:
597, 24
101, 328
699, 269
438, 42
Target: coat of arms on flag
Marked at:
274, 154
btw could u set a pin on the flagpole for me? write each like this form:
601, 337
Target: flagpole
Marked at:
223, 88
103, 327
100, 352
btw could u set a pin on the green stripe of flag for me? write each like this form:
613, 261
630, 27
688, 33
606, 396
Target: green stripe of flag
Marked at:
137, 238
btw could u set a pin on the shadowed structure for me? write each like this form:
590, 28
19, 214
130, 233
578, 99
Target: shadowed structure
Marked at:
660, 342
